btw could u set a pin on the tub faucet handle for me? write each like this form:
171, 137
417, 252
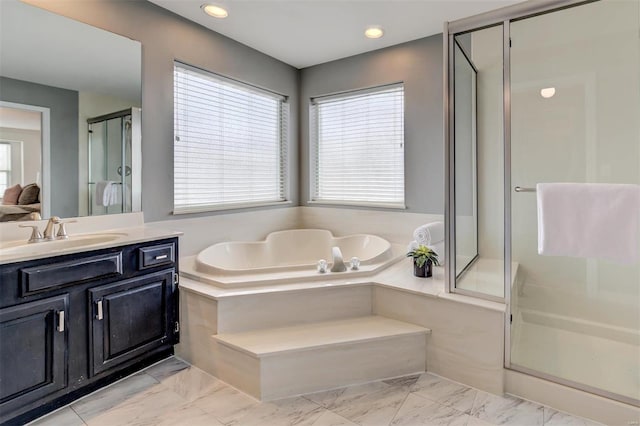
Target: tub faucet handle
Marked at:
355, 263
322, 266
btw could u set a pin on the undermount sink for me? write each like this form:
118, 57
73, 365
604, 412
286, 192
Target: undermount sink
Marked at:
24, 248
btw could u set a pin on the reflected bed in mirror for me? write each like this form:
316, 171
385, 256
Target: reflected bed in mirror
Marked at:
70, 106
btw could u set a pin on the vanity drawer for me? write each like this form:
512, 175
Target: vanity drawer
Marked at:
39, 278
149, 257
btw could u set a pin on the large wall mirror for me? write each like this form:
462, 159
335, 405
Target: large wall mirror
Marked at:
70, 106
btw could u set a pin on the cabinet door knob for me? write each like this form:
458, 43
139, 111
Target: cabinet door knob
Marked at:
99, 308
61, 321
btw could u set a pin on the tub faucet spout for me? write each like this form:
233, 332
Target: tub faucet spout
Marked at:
338, 262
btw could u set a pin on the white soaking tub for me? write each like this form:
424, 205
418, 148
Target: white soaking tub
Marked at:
288, 256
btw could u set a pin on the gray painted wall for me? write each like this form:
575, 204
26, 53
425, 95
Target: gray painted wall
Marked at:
63, 105
165, 37
419, 65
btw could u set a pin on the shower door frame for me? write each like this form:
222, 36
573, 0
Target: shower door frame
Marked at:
503, 16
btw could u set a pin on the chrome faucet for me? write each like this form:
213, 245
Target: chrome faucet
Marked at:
338, 262
49, 229
48, 234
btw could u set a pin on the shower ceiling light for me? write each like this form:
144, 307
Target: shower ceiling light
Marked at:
215, 11
548, 92
373, 32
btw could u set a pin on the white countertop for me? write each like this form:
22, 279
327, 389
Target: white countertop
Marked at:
86, 233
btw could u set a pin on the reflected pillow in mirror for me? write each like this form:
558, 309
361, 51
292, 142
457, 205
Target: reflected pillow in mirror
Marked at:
11, 195
29, 195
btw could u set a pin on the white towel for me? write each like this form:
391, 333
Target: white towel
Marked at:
103, 192
114, 194
438, 248
431, 233
589, 220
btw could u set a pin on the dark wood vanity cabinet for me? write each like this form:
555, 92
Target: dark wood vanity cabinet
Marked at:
130, 318
71, 324
33, 351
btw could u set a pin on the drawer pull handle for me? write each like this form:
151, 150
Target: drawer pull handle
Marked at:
161, 256
99, 315
61, 321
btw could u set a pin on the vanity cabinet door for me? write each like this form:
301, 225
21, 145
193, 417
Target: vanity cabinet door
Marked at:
131, 318
33, 350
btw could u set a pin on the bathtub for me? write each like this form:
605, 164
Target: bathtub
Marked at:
287, 256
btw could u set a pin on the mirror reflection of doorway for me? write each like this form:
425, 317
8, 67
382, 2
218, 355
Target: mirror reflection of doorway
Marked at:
24, 168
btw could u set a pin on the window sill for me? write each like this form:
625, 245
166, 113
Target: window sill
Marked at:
233, 206
390, 206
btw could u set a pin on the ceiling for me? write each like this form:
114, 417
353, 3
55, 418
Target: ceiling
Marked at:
309, 32
42, 47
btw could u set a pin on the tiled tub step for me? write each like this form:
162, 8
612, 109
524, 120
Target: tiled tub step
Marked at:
279, 362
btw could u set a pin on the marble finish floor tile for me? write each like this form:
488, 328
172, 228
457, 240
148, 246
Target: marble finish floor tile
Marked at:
144, 409
416, 411
63, 417
296, 411
185, 415
226, 403
557, 418
506, 410
166, 368
190, 383
329, 418
445, 392
109, 397
368, 404
173, 393
474, 421
406, 381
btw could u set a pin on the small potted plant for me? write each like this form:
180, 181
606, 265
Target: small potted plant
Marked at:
423, 260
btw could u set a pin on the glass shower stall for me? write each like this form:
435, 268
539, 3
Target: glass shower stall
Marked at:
549, 94
114, 178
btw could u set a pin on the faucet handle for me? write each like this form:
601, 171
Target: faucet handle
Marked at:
36, 235
62, 231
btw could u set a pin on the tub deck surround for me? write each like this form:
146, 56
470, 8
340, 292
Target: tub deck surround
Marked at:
224, 330
123, 229
287, 257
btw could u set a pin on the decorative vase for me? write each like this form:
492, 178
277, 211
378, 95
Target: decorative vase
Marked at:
425, 271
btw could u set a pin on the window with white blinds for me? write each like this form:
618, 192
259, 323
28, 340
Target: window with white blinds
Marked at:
358, 143
230, 147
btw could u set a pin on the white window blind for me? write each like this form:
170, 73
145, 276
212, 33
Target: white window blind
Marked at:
230, 147
5, 166
358, 139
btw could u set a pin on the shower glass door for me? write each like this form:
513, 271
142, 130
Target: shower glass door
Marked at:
575, 103
110, 155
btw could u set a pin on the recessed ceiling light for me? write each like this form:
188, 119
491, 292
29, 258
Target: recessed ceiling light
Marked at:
373, 32
215, 11
548, 92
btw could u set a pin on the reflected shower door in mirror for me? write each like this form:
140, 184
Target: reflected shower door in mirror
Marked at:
74, 73
479, 162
